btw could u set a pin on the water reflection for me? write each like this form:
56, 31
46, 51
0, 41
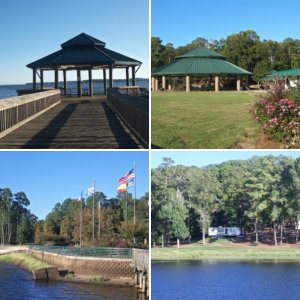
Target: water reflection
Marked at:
225, 280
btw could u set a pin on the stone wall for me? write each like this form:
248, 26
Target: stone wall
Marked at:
89, 266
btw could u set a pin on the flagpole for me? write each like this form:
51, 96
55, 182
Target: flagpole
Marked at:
134, 193
99, 216
94, 213
81, 218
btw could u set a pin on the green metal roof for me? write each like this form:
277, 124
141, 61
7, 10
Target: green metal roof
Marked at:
282, 74
200, 61
83, 50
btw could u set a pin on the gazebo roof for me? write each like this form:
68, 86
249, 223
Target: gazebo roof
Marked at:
83, 50
200, 61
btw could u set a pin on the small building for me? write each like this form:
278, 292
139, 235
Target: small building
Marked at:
223, 231
199, 62
83, 52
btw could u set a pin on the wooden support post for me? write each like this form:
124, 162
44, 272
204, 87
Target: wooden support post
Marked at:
127, 76
65, 81
42, 80
152, 83
110, 77
169, 85
90, 83
238, 83
34, 79
217, 84
164, 83
56, 78
144, 284
156, 84
246, 81
187, 83
104, 81
140, 280
133, 75
79, 92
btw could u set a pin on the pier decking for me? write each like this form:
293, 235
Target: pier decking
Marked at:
85, 123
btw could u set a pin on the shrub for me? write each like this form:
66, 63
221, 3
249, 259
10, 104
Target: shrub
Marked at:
280, 119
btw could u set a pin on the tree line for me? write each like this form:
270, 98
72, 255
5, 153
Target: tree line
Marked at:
17, 223
244, 49
113, 222
258, 195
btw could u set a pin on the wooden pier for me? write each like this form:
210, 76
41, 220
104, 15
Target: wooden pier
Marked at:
75, 123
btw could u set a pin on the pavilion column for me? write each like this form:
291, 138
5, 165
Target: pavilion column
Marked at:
238, 83
156, 84
65, 81
169, 85
152, 83
104, 81
42, 80
90, 82
127, 76
79, 92
164, 83
217, 84
133, 75
187, 83
56, 78
110, 77
246, 81
209, 82
34, 79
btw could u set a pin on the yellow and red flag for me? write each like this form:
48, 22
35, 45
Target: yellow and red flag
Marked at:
122, 188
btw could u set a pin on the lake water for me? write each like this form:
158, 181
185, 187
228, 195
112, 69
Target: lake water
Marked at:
7, 91
225, 280
17, 284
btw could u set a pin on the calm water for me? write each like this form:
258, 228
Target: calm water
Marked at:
17, 284
7, 91
222, 280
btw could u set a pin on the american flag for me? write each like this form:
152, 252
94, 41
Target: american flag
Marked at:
127, 177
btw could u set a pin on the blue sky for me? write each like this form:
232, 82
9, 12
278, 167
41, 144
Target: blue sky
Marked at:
32, 29
204, 158
48, 177
179, 22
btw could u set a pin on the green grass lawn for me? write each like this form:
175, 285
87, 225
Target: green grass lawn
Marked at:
23, 260
226, 252
202, 120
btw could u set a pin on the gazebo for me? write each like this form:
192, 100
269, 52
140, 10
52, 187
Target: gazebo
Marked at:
80, 53
198, 62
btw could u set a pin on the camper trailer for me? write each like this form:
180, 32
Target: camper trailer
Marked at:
223, 231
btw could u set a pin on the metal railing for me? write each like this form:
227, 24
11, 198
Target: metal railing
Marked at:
17, 109
125, 253
133, 110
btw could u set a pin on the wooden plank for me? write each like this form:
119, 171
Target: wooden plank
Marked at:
87, 123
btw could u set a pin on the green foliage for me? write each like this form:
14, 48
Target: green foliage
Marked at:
98, 279
244, 49
253, 194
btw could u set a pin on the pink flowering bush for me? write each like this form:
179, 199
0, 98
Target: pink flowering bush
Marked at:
280, 119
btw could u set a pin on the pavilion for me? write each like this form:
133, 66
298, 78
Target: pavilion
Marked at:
198, 62
80, 53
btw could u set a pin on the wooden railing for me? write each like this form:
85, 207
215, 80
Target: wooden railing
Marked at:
18, 110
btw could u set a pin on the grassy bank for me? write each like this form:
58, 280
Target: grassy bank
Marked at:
23, 260
202, 119
226, 252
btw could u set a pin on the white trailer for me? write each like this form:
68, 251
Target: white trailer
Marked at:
224, 231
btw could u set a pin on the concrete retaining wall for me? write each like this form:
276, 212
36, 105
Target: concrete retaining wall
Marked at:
110, 267
133, 110
16, 111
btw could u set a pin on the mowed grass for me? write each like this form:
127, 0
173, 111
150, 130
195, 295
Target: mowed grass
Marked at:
202, 120
23, 260
223, 253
